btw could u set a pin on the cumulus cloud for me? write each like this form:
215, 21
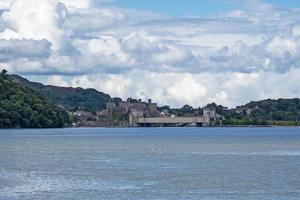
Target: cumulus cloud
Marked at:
15, 49
36, 20
77, 4
177, 89
83, 21
230, 58
280, 47
5, 4
57, 81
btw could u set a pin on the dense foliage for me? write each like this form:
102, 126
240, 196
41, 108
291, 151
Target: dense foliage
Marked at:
72, 99
21, 107
185, 110
281, 112
266, 112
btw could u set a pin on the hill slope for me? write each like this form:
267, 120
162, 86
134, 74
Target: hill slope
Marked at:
21, 107
70, 98
264, 112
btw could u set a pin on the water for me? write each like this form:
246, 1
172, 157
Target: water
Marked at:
160, 163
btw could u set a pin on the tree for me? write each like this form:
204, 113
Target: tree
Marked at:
21, 107
3, 73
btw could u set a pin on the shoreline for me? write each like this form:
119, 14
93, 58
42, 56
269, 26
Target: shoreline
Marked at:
111, 127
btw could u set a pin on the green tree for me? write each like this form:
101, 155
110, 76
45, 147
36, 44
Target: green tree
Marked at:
21, 107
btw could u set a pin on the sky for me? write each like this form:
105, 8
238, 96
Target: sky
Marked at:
196, 7
176, 52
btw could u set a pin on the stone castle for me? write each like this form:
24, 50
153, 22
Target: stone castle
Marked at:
133, 111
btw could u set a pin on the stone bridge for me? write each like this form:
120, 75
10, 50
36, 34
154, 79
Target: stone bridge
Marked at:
173, 121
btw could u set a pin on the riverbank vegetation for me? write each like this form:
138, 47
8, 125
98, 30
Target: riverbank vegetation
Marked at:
21, 107
281, 112
72, 99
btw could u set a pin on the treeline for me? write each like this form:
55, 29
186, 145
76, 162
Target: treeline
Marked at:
185, 110
282, 112
72, 99
21, 107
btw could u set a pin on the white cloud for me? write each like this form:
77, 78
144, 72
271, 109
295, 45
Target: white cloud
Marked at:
106, 51
177, 89
83, 21
142, 42
279, 47
116, 84
246, 54
57, 81
26, 66
79, 4
5, 4
14, 49
171, 56
38, 20
296, 31
187, 89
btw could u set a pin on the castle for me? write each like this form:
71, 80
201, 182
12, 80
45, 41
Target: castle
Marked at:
136, 113
131, 109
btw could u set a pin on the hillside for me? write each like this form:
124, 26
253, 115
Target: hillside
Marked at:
265, 112
21, 107
71, 99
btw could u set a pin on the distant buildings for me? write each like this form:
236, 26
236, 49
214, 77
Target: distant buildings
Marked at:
132, 111
210, 113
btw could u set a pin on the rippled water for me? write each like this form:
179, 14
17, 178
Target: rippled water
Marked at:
160, 163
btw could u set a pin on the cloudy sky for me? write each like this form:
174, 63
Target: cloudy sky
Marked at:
174, 51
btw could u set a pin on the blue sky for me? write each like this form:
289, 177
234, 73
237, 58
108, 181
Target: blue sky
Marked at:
197, 7
179, 7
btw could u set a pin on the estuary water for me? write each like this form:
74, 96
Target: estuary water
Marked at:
154, 163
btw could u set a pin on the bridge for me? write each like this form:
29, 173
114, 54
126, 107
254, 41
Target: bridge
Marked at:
173, 121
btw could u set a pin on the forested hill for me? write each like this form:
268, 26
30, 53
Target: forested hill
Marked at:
21, 107
265, 112
71, 99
